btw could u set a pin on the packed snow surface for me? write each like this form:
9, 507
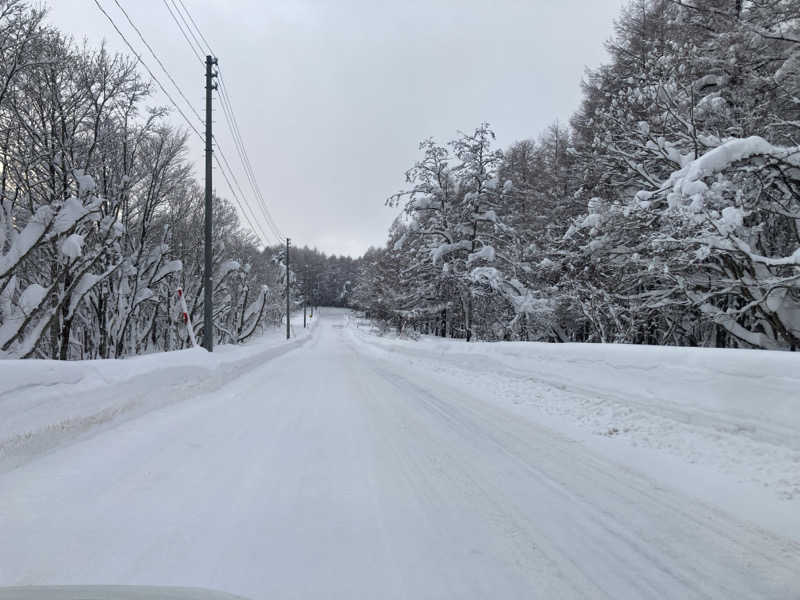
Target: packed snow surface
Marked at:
347, 465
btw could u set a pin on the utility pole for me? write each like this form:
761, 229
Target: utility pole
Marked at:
305, 294
288, 314
208, 308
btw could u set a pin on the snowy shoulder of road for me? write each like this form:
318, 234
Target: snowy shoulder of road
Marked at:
46, 403
720, 425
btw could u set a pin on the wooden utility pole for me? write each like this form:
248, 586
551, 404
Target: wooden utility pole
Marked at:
288, 313
208, 307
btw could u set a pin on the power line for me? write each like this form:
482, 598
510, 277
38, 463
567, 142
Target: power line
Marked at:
186, 37
257, 231
260, 233
188, 27
158, 60
195, 26
224, 92
139, 58
238, 150
233, 126
241, 203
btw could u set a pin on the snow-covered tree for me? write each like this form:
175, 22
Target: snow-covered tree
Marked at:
667, 212
100, 212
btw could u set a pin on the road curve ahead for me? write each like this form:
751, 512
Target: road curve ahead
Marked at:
330, 472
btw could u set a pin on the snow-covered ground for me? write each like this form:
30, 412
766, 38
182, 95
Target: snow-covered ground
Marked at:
722, 425
355, 466
46, 403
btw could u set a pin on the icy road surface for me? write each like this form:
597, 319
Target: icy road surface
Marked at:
335, 472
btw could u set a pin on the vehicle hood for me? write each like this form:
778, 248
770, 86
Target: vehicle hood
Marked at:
110, 592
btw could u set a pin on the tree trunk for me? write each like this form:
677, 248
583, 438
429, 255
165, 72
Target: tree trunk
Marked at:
466, 302
66, 326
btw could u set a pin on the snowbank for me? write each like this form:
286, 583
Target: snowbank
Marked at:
755, 392
44, 403
719, 425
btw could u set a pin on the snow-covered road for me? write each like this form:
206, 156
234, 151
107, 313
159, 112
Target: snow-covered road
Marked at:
333, 471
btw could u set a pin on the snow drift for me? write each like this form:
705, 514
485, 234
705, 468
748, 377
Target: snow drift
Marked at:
755, 392
44, 403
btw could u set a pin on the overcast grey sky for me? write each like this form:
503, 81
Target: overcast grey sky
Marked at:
333, 96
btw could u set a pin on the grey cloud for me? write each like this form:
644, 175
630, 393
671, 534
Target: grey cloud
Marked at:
333, 97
